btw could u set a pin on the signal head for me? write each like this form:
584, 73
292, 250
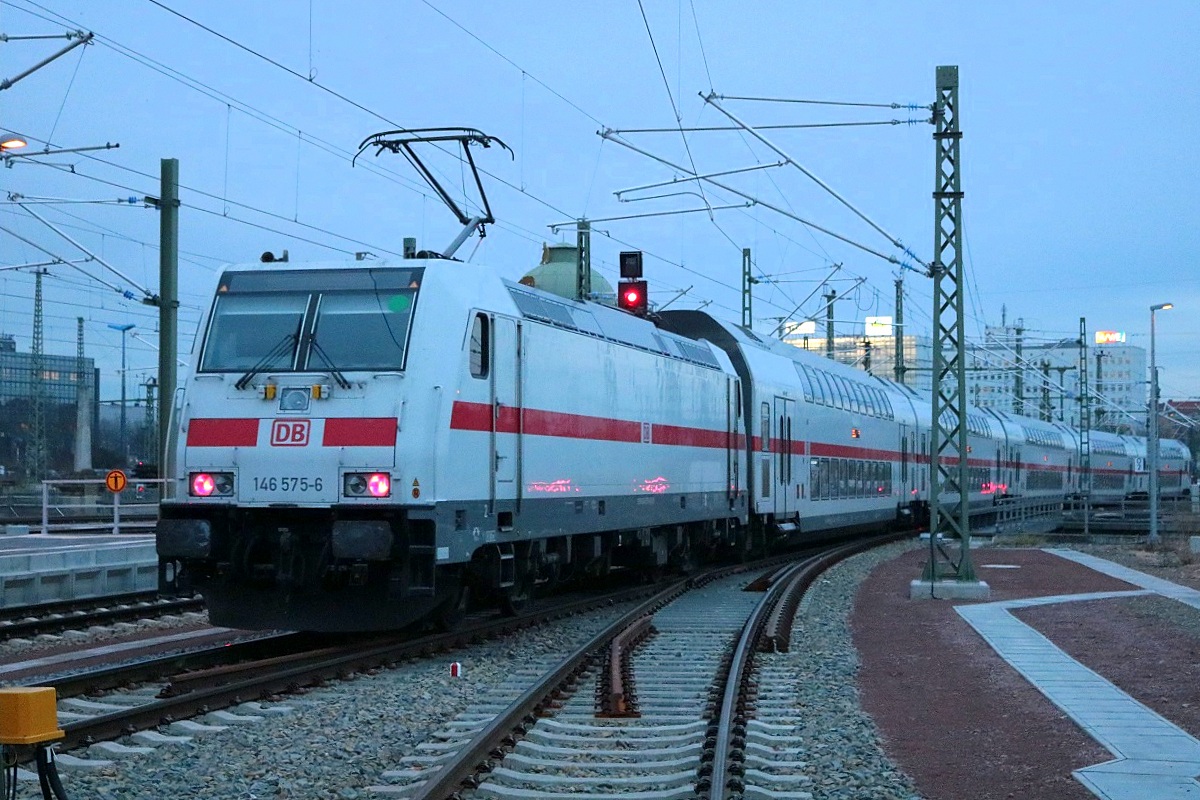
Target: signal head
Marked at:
631, 297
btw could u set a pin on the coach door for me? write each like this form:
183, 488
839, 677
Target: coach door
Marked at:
733, 405
785, 493
507, 420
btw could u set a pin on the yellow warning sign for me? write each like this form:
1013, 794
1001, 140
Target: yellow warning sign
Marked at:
116, 481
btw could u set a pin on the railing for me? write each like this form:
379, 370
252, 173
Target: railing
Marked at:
97, 501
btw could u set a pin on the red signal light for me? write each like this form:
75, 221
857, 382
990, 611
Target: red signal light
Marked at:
631, 297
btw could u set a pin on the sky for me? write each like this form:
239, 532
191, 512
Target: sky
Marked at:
1080, 164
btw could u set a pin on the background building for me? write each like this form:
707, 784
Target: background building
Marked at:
1041, 379
60, 386
874, 351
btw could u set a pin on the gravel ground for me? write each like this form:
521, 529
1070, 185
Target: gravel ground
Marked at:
338, 740
839, 741
335, 739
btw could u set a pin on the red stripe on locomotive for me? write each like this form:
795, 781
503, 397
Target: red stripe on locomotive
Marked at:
222, 433
360, 432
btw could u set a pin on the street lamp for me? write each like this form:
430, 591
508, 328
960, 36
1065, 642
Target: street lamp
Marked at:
124, 329
1152, 429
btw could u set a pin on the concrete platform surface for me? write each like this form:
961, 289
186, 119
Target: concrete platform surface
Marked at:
1152, 757
41, 568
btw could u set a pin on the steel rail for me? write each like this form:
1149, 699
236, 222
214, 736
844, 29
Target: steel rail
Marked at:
789, 583
328, 666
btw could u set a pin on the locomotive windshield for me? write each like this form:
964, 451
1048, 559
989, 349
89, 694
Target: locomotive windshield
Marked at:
311, 320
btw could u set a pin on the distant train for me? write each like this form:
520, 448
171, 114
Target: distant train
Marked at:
362, 446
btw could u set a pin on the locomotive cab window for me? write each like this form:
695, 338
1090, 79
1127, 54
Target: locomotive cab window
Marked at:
249, 329
479, 346
359, 330
310, 320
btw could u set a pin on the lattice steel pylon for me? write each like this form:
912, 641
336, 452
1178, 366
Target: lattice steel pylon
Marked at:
583, 259
1085, 426
150, 441
949, 514
747, 296
36, 449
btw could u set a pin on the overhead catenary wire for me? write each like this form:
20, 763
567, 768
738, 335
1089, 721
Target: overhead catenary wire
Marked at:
674, 107
809, 223
778, 127
909, 106
520, 189
711, 100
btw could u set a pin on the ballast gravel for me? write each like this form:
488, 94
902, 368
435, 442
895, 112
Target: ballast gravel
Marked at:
339, 739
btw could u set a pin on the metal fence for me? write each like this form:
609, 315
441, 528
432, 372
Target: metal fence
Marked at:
88, 505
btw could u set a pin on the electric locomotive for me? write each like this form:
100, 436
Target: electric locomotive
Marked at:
364, 446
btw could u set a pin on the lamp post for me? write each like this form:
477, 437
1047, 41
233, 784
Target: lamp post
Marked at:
1152, 429
124, 329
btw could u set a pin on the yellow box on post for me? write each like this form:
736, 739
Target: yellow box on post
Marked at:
29, 715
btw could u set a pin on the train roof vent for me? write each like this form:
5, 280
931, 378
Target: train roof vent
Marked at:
695, 352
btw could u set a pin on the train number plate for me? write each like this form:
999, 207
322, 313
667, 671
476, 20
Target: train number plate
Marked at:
287, 483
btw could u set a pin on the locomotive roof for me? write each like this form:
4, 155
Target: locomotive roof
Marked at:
605, 322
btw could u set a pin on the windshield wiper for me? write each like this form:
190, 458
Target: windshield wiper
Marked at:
337, 375
286, 343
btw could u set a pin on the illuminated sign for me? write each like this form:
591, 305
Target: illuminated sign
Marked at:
1110, 337
879, 326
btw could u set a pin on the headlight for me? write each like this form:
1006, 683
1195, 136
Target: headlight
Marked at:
367, 484
208, 484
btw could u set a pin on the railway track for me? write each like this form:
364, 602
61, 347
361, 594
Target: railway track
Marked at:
106, 701
51, 618
661, 699
700, 719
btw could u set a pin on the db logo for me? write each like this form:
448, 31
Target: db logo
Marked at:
290, 432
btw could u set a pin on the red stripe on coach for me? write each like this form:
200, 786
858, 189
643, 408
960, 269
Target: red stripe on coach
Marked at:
360, 432
578, 426
693, 437
222, 433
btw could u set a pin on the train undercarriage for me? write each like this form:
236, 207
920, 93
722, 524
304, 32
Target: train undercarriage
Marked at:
334, 570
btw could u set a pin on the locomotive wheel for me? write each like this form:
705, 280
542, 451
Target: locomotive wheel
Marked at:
514, 599
451, 613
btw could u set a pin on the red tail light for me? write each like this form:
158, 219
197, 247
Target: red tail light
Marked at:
203, 484
379, 484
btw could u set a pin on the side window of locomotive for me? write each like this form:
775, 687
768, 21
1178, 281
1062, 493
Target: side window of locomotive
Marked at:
254, 330
766, 428
361, 330
479, 346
